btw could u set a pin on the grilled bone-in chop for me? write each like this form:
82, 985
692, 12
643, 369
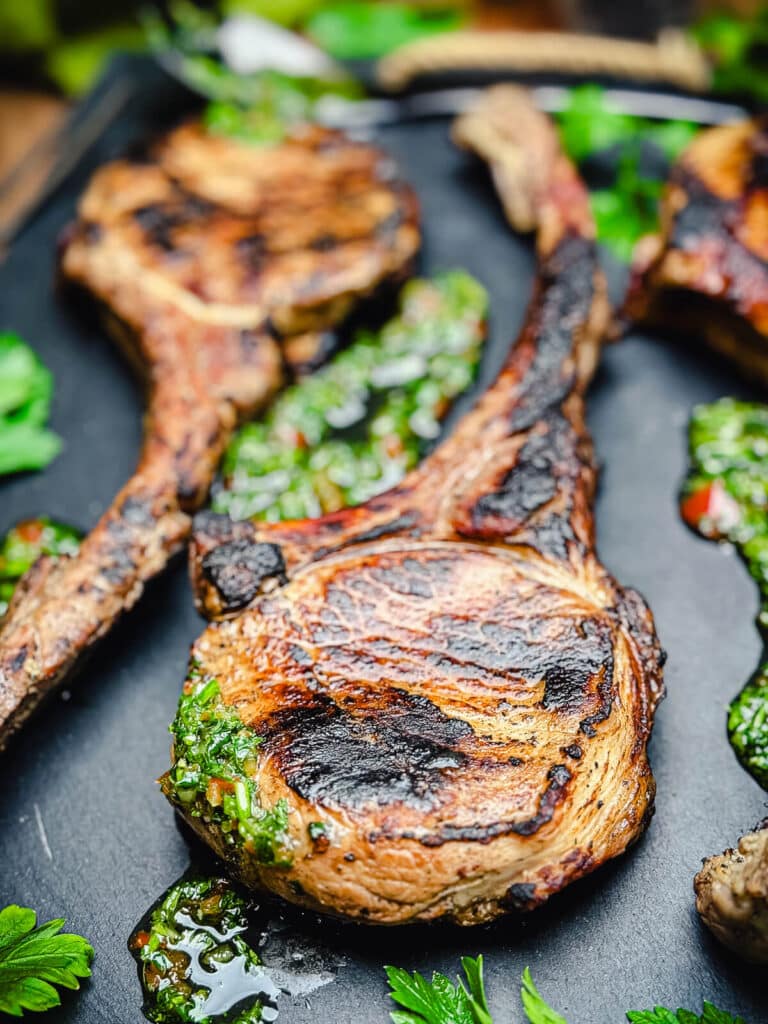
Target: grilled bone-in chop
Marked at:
446, 676
706, 274
205, 258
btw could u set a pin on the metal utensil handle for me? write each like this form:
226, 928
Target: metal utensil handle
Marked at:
336, 112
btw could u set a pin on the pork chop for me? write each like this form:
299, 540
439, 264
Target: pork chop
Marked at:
706, 274
211, 259
437, 703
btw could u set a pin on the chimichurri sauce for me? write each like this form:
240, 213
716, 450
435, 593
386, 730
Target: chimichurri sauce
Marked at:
354, 428
195, 961
213, 770
22, 546
725, 497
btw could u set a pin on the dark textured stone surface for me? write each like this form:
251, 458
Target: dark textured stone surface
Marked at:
84, 769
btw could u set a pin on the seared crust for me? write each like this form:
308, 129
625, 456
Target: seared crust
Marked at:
205, 258
446, 676
707, 272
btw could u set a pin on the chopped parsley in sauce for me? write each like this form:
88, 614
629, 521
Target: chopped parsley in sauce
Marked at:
215, 757
354, 428
725, 497
195, 960
24, 543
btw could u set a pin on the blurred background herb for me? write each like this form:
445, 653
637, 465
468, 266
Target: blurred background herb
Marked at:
65, 43
631, 155
61, 46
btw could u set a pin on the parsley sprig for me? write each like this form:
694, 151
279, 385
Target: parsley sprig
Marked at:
639, 150
441, 1001
711, 1015
26, 388
34, 959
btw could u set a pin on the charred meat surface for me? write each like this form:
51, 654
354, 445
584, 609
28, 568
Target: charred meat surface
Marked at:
732, 896
445, 704
706, 274
215, 262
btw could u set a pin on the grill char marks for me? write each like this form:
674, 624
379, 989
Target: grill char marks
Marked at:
450, 681
397, 751
203, 258
707, 271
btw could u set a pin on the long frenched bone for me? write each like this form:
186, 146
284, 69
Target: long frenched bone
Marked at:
214, 261
446, 676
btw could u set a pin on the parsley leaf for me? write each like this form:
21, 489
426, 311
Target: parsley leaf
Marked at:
536, 1010
735, 45
34, 959
361, 30
26, 388
628, 208
440, 1001
659, 1015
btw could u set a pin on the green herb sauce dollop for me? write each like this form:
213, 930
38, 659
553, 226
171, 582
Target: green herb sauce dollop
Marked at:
354, 428
725, 497
195, 961
24, 543
215, 756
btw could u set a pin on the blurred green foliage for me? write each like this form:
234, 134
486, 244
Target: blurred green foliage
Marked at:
285, 12
737, 48
359, 30
74, 64
27, 24
628, 208
70, 40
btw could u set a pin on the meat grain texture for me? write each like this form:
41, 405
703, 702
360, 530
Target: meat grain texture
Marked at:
214, 263
446, 676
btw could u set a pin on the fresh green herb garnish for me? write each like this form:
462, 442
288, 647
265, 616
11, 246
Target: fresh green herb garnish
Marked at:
356, 427
536, 1009
364, 30
725, 497
440, 1001
25, 543
195, 962
35, 959
628, 209
215, 757
736, 47
26, 388
659, 1015
262, 108
259, 108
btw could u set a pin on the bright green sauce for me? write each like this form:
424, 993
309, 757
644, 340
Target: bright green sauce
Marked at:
25, 543
212, 774
195, 960
726, 497
355, 428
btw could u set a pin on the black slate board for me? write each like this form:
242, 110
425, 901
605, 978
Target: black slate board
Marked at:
84, 832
